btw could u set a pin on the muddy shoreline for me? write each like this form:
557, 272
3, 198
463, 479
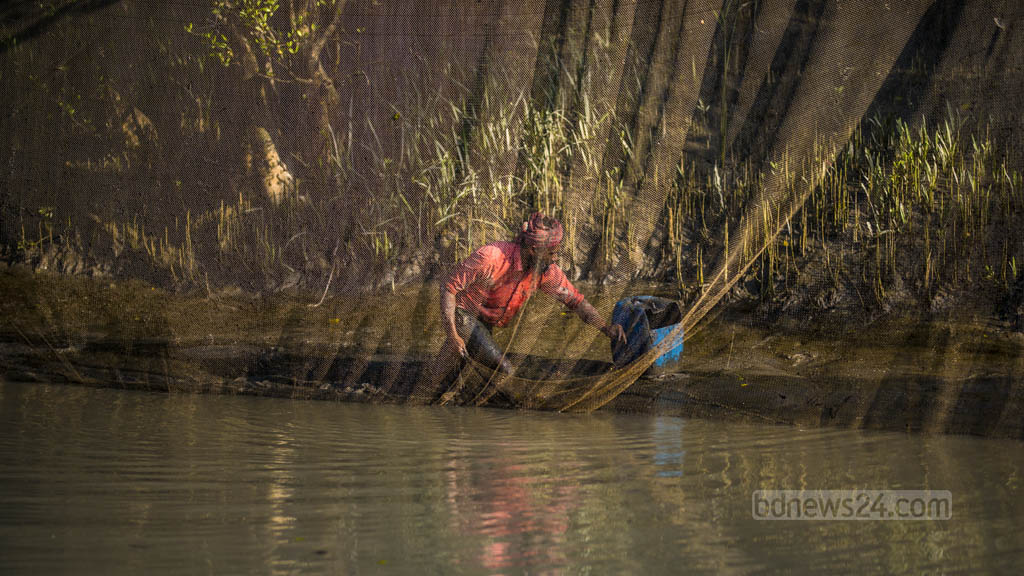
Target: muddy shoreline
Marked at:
953, 376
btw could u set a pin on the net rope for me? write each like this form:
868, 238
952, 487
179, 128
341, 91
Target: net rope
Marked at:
453, 104
804, 138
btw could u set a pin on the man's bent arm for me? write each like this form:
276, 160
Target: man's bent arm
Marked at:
448, 312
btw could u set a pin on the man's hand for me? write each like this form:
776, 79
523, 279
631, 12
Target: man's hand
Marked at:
615, 333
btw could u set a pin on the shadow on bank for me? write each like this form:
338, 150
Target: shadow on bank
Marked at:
964, 393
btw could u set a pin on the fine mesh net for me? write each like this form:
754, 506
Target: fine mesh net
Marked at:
264, 196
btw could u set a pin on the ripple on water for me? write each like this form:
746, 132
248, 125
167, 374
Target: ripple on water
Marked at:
126, 482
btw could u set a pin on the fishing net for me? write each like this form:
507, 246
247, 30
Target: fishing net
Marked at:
297, 177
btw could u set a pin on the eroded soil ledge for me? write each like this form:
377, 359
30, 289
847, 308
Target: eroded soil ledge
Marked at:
954, 375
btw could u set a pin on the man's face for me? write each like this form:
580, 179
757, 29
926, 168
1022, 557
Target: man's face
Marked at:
539, 259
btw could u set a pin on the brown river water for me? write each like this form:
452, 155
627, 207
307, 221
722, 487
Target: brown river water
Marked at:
100, 481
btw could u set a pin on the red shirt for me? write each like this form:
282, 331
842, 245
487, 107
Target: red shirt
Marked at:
492, 283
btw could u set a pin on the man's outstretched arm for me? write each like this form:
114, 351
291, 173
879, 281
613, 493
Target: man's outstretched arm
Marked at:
586, 311
555, 283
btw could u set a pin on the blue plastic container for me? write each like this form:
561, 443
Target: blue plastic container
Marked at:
647, 321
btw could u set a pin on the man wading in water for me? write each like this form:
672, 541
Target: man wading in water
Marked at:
488, 289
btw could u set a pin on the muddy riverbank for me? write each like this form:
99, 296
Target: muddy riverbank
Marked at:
953, 375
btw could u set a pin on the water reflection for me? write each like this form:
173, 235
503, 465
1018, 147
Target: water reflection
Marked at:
130, 482
668, 443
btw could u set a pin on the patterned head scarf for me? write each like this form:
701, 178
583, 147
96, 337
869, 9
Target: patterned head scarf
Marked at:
541, 232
